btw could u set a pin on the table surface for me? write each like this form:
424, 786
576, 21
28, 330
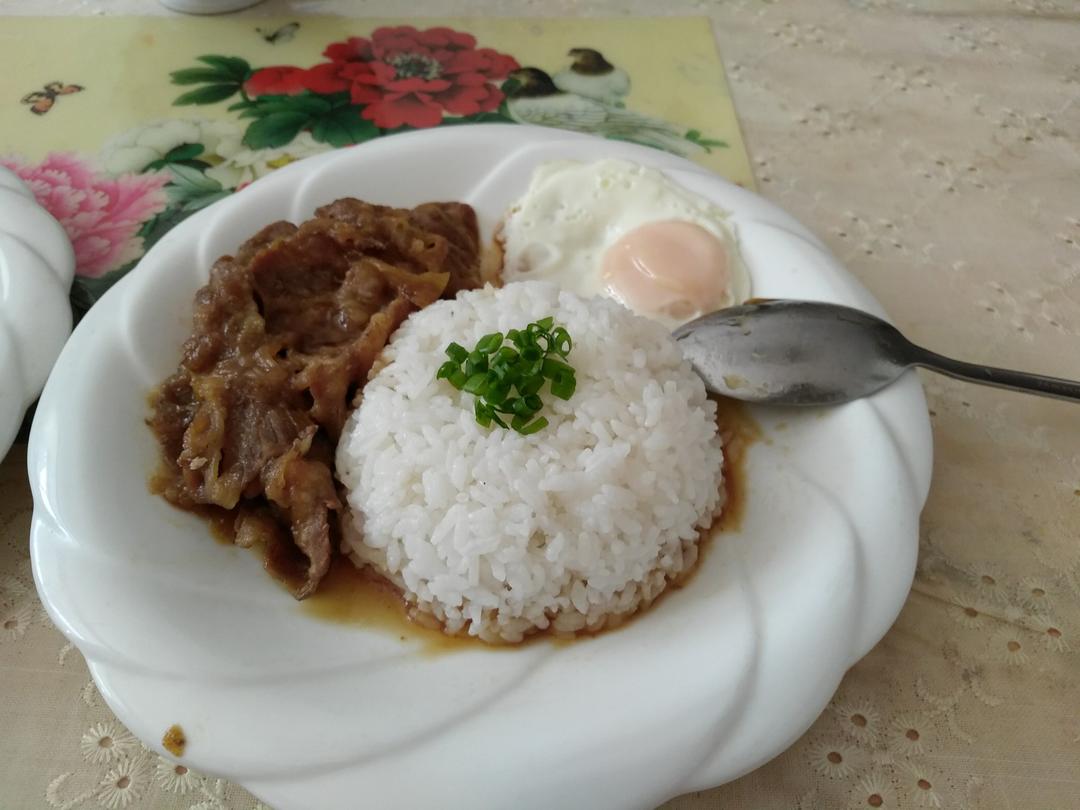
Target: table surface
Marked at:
935, 146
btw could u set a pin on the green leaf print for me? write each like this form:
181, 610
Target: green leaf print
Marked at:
210, 94
275, 130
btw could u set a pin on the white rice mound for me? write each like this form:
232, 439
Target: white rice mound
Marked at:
500, 535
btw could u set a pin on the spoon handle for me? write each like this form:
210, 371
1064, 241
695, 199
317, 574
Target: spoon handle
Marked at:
997, 377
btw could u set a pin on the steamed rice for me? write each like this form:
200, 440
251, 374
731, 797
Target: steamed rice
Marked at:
499, 535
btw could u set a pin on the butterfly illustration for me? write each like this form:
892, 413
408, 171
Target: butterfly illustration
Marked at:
283, 34
41, 101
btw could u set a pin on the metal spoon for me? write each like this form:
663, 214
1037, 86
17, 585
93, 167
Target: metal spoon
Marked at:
809, 353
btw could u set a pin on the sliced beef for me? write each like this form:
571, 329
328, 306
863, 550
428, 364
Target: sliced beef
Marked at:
440, 237
284, 335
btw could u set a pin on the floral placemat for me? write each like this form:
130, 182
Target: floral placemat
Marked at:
123, 140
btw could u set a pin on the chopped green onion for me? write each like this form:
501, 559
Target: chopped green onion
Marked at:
520, 407
530, 354
563, 343
497, 392
538, 425
492, 371
563, 385
553, 368
457, 353
489, 343
530, 385
475, 384
483, 413
564, 389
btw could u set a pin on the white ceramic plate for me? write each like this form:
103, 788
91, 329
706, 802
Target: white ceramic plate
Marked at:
720, 677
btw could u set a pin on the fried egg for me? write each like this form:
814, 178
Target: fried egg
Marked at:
626, 231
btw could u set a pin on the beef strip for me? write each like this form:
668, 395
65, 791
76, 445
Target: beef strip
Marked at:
284, 335
438, 236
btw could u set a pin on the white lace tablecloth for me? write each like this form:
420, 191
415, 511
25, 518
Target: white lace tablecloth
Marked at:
936, 147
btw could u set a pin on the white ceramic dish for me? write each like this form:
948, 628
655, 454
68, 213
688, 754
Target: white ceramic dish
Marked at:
37, 266
720, 677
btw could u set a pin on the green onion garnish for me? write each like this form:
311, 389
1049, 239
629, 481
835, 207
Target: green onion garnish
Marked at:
476, 384
508, 379
489, 343
563, 387
539, 424
457, 353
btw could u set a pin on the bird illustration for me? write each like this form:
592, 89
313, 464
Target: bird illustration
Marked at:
533, 98
592, 76
283, 34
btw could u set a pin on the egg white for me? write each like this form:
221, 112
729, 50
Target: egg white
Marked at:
573, 212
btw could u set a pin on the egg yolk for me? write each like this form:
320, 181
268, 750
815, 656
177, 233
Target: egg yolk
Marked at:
671, 268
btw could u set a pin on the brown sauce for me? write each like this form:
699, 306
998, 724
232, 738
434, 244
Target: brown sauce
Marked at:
739, 432
220, 522
358, 597
174, 741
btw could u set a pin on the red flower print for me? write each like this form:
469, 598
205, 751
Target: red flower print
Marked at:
403, 76
279, 80
329, 77
354, 49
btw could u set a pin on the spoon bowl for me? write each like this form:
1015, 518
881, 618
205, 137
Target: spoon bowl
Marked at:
812, 353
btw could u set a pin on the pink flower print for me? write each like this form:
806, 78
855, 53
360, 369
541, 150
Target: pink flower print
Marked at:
101, 214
